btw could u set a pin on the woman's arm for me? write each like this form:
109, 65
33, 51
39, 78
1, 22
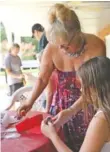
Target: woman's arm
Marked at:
46, 69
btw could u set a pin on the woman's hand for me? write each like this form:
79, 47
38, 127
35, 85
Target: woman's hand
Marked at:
24, 108
48, 129
21, 76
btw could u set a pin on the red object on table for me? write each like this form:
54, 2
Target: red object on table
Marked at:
29, 141
29, 123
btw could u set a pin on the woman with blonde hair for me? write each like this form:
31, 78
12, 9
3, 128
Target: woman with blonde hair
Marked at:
67, 50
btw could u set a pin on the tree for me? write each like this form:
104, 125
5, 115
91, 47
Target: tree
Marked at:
3, 35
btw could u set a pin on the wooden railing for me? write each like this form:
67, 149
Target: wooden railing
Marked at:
104, 32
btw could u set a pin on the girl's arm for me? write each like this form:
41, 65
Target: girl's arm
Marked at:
97, 134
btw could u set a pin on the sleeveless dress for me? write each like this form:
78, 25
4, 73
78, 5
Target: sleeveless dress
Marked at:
67, 92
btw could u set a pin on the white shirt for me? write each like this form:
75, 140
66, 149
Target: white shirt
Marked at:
106, 147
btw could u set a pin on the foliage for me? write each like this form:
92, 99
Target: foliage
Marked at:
3, 35
30, 40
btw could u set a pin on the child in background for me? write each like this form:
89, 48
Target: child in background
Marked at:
13, 69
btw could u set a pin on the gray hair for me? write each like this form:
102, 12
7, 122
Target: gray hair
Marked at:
64, 23
57, 29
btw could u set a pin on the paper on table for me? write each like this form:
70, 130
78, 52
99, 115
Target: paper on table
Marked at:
11, 130
12, 135
6, 119
13, 119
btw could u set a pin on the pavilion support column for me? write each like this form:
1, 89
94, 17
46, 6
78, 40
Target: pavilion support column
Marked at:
107, 42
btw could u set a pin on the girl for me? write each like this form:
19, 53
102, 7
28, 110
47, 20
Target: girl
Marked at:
94, 76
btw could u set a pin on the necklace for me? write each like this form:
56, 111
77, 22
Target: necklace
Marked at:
79, 52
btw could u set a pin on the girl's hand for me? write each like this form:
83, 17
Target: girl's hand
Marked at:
61, 118
48, 129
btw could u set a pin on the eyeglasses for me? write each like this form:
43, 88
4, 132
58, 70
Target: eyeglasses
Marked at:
66, 47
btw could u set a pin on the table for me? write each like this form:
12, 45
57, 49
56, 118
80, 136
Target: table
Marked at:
30, 64
28, 142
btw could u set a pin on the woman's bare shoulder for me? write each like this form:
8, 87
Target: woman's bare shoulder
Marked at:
51, 47
96, 44
94, 38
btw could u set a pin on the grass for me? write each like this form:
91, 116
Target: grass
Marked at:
2, 73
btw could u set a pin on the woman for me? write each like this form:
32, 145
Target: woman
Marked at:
68, 49
94, 76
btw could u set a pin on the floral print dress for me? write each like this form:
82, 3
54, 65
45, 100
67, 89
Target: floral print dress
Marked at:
67, 92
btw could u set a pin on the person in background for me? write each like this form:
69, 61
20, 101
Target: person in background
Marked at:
94, 76
67, 50
38, 33
12, 63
